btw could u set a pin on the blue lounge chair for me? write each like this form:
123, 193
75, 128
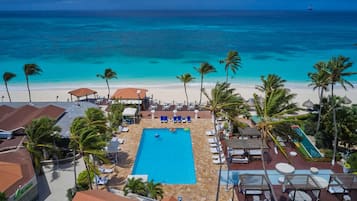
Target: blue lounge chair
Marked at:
166, 119
175, 119
162, 119
179, 119
188, 119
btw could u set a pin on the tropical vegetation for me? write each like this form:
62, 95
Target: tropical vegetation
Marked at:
7, 76
88, 138
223, 100
30, 70
115, 115
149, 189
2, 196
41, 136
185, 78
108, 75
204, 69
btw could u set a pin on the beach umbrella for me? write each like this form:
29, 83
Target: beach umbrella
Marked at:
196, 114
152, 114
308, 104
174, 111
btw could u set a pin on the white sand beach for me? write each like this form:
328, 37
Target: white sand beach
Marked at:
160, 92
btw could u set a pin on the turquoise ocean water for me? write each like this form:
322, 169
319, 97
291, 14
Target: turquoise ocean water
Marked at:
155, 46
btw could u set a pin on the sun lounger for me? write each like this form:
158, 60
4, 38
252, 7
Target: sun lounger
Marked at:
162, 119
166, 119
179, 119
183, 120
215, 150
216, 156
105, 170
215, 144
100, 180
255, 152
212, 140
217, 161
234, 152
188, 119
210, 132
143, 177
175, 119
240, 160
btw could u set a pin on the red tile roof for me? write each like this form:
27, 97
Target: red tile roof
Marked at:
129, 94
82, 92
98, 195
4, 110
22, 116
171, 198
16, 168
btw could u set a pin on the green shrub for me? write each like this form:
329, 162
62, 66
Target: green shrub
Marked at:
352, 160
82, 180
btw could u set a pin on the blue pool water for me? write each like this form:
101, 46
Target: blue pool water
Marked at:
166, 156
310, 148
273, 175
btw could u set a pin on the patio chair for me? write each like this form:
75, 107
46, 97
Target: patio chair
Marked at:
188, 119
162, 119
179, 119
166, 119
100, 180
175, 119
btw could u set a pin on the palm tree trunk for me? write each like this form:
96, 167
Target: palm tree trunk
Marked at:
184, 85
266, 172
28, 88
88, 173
75, 169
335, 127
8, 93
319, 115
227, 75
200, 90
106, 80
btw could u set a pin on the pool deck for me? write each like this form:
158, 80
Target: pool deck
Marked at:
206, 172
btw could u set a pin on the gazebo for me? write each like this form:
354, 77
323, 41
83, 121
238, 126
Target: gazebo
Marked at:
301, 186
342, 183
253, 185
249, 132
81, 92
130, 115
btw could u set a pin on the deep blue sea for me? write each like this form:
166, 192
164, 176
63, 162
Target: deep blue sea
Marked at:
156, 46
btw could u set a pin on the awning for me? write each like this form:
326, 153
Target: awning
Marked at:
129, 112
130, 102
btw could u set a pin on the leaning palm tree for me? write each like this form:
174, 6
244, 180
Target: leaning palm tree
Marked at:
319, 81
222, 100
232, 62
108, 75
134, 185
271, 83
29, 70
336, 70
7, 76
204, 69
41, 133
87, 141
185, 78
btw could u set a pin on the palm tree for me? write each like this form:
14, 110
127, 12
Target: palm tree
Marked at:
7, 76
108, 74
232, 62
154, 190
134, 185
204, 69
85, 138
223, 99
2, 196
319, 81
29, 70
335, 69
272, 109
41, 134
185, 78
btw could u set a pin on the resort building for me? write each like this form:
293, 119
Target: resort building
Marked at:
98, 195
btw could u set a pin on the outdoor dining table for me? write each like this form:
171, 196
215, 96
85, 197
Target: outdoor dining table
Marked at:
284, 168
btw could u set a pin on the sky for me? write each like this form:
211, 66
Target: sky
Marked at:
177, 4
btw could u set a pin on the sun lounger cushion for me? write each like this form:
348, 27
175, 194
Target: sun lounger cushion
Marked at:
210, 133
236, 152
255, 152
240, 160
217, 161
336, 189
188, 119
100, 180
212, 140
216, 156
215, 150
105, 170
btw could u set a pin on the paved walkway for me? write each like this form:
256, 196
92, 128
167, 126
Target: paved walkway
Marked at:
53, 185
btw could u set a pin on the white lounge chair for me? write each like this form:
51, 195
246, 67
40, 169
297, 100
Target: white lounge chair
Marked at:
143, 177
217, 161
236, 152
240, 160
105, 170
212, 140
121, 141
210, 132
216, 156
215, 150
215, 144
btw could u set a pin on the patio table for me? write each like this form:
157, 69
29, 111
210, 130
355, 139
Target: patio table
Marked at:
299, 196
284, 168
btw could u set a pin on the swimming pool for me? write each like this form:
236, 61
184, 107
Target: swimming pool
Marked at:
273, 175
166, 156
309, 147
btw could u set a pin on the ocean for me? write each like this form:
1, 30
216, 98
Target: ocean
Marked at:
153, 47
